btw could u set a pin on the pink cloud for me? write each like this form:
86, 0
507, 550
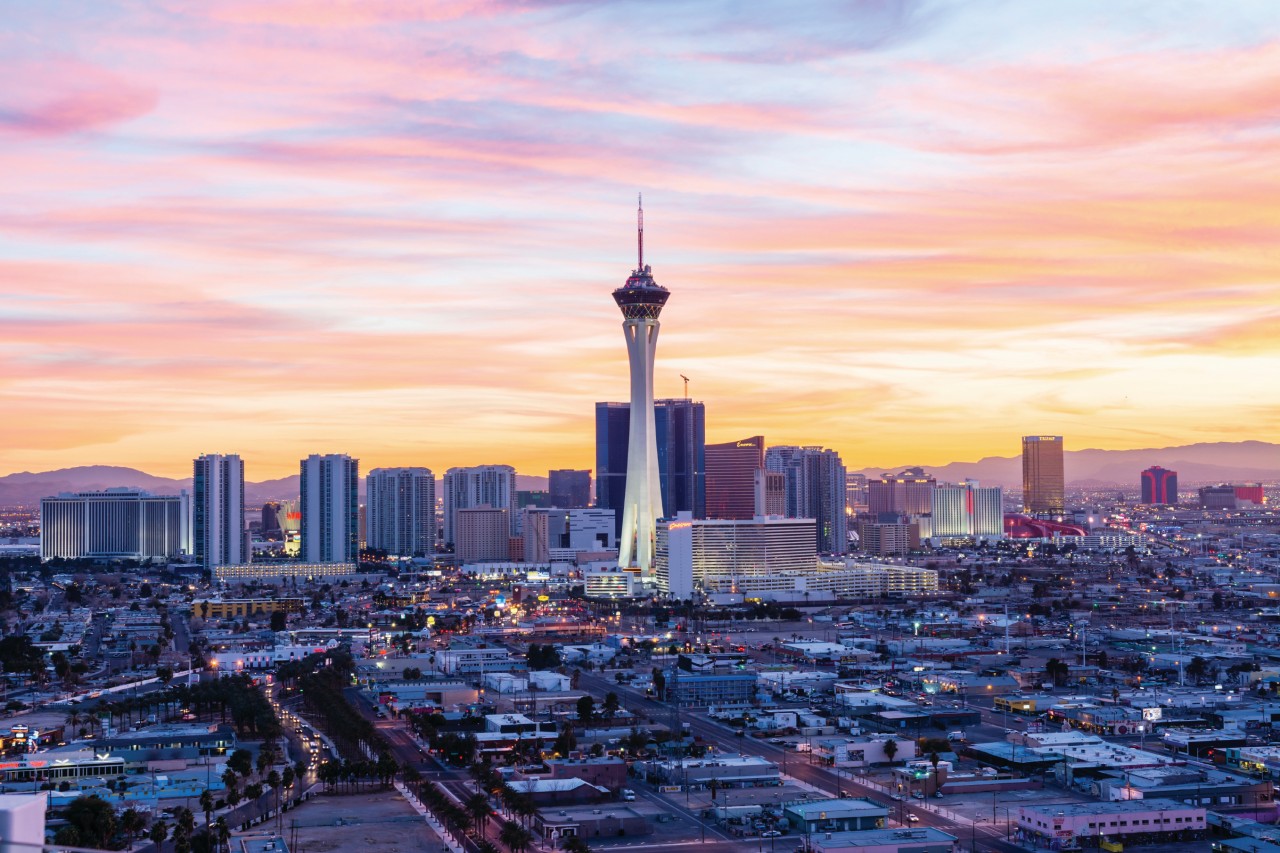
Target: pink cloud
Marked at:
1124, 99
66, 97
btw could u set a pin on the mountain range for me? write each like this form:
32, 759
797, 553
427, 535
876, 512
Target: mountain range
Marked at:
26, 489
1237, 461
1210, 462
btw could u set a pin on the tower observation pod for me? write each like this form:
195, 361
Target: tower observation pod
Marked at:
641, 300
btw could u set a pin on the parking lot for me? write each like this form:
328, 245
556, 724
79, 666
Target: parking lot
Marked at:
380, 822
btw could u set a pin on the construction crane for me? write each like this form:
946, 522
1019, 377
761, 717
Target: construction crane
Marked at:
686, 385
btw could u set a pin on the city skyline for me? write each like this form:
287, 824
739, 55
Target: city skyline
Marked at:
267, 230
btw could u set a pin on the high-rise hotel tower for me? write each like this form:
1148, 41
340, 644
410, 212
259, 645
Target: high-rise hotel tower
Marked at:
1043, 488
218, 535
330, 508
641, 300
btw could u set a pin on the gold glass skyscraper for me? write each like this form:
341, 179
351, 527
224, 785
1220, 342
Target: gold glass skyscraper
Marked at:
1042, 477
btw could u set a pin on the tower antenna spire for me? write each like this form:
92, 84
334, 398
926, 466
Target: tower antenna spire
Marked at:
640, 231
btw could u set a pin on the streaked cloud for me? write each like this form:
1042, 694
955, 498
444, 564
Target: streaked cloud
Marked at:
908, 230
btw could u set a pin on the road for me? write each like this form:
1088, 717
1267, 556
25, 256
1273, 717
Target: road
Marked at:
405, 750
722, 737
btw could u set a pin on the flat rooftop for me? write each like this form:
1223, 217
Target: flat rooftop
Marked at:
1116, 807
886, 838
837, 808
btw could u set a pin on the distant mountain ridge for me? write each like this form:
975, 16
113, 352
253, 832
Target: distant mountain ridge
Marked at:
1224, 461
1237, 461
27, 488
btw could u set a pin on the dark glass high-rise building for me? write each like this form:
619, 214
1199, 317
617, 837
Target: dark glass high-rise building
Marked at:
1159, 486
731, 477
569, 489
681, 431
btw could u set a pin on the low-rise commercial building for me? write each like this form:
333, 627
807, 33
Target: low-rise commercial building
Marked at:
690, 690
1065, 825
836, 815
232, 608
284, 573
726, 771
467, 661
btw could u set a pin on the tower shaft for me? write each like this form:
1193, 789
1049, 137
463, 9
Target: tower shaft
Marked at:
642, 506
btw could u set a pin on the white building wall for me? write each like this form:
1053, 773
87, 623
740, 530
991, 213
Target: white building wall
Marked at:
329, 511
218, 509
114, 523
402, 511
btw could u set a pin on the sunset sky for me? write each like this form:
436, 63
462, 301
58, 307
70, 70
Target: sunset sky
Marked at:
909, 231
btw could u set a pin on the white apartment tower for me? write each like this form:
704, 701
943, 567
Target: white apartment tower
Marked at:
401, 511
816, 488
641, 300
330, 508
491, 486
217, 511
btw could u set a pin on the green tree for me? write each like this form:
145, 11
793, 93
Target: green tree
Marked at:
159, 832
611, 704
241, 761
565, 742
279, 621
575, 844
94, 820
1197, 669
890, 749
586, 710
132, 822
69, 836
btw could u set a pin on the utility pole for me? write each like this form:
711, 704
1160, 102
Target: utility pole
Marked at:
1084, 630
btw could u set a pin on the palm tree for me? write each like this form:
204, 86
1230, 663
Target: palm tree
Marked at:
515, 836
273, 779
206, 806
890, 749
477, 806
222, 832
